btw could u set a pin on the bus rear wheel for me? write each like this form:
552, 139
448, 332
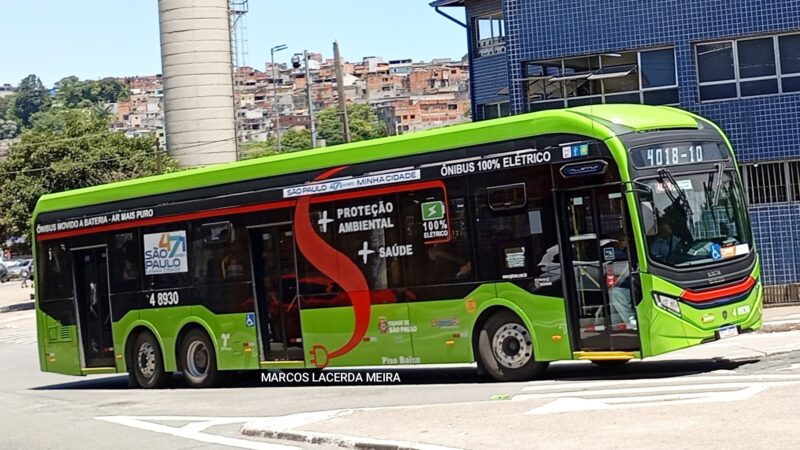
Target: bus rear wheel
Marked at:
147, 362
198, 360
505, 348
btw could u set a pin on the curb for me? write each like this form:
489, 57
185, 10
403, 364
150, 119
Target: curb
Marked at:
768, 329
311, 437
778, 326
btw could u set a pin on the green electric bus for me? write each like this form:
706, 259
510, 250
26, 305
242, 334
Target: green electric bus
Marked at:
602, 233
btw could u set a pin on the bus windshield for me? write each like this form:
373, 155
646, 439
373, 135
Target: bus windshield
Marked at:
695, 219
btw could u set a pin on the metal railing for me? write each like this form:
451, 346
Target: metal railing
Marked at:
781, 295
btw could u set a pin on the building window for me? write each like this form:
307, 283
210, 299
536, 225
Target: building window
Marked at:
489, 32
775, 182
748, 67
494, 110
646, 76
789, 49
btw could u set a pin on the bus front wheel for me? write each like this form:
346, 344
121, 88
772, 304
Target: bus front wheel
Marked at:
505, 348
147, 362
199, 362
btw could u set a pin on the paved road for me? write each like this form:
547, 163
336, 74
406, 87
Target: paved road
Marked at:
47, 411
17, 322
570, 406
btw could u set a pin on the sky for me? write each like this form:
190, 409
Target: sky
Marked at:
98, 38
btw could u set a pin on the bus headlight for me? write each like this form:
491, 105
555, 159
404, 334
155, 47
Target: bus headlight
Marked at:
668, 303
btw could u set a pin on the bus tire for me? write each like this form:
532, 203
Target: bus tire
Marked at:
147, 362
505, 348
198, 360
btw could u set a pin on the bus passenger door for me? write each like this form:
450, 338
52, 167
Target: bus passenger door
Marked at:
277, 301
597, 269
93, 306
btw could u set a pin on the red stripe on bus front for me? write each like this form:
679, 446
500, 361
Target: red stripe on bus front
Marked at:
714, 294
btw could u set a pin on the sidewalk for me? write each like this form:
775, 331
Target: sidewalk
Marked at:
781, 318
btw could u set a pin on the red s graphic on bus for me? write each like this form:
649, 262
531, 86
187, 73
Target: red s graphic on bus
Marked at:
340, 269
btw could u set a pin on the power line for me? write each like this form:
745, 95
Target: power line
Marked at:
55, 141
79, 164
142, 153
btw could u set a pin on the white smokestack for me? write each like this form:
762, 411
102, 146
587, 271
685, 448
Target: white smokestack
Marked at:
198, 83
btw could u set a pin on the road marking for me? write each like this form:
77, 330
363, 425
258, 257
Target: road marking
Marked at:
194, 430
286, 427
790, 368
270, 427
552, 385
619, 394
572, 404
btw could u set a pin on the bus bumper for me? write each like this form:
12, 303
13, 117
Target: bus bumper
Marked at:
670, 331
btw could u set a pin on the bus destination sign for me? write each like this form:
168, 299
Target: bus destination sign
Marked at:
675, 154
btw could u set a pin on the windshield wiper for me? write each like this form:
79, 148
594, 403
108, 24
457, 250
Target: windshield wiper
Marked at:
718, 183
682, 200
665, 173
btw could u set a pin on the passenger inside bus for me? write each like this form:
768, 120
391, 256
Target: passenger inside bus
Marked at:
619, 293
665, 245
449, 266
232, 269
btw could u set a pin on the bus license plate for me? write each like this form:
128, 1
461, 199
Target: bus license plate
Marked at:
729, 331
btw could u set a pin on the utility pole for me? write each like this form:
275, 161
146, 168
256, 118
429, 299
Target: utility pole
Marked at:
275, 108
158, 155
310, 103
340, 90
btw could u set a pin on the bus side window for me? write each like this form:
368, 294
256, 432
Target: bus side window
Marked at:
515, 223
435, 224
55, 264
315, 288
367, 230
126, 262
220, 254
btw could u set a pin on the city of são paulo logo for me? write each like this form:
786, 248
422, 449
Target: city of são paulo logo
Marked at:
165, 253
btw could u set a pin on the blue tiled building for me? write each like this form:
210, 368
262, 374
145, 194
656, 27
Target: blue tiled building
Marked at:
736, 62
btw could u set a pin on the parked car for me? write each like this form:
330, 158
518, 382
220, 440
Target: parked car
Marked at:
3, 273
21, 269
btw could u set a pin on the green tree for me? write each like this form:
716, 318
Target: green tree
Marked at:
71, 92
8, 128
291, 141
31, 98
67, 149
113, 90
364, 124
7, 107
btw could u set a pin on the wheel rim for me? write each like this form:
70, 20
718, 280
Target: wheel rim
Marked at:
197, 360
147, 359
512, 346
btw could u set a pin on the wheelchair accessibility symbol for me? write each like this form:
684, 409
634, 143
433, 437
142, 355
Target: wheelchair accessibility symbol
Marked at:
250, 319
716, 252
